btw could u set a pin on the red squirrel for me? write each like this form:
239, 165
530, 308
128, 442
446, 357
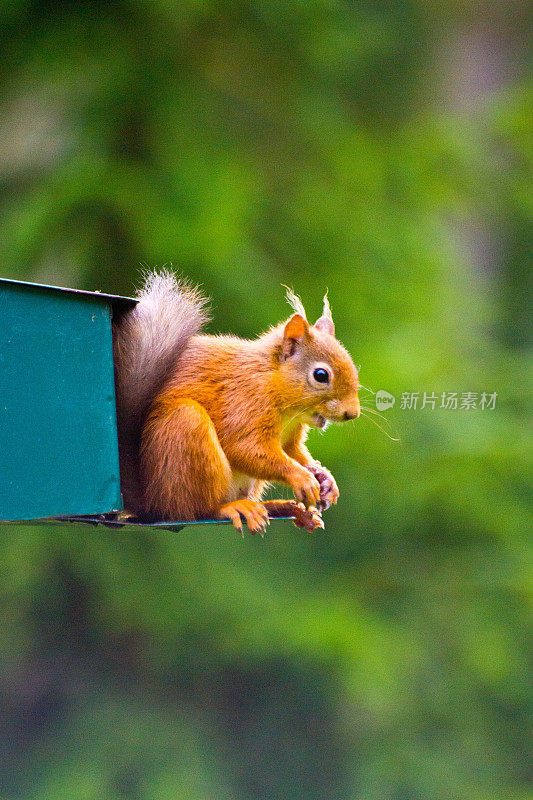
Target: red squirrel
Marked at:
207, 422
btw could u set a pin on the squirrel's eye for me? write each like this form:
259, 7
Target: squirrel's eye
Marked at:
321, 375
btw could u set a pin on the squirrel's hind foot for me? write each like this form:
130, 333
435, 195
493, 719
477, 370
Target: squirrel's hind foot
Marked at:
254, 513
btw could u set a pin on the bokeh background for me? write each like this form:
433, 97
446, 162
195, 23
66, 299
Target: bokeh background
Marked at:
381, 150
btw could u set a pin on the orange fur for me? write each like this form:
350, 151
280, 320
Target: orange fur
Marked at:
185, 473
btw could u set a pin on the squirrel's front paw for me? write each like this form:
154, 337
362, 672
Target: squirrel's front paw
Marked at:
329, 491
306, 488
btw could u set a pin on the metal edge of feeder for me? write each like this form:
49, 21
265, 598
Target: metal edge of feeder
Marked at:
108, 298
136, 524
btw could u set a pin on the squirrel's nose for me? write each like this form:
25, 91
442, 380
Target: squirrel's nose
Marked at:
356, 412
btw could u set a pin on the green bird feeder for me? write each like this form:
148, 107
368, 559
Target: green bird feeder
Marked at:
58, 426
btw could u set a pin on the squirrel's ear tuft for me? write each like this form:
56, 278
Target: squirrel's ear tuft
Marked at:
294, 333
294, 302
325, 323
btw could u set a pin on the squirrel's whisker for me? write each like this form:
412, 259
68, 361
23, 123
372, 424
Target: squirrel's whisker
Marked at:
373, 411
300, 401
392, 438
286, 424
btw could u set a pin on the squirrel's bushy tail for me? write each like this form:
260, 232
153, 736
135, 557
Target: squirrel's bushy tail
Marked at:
147, 342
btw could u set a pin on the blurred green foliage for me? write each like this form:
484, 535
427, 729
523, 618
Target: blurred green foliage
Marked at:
381, 150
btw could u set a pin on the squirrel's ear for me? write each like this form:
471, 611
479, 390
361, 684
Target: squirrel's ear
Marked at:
296, 330
325, 323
